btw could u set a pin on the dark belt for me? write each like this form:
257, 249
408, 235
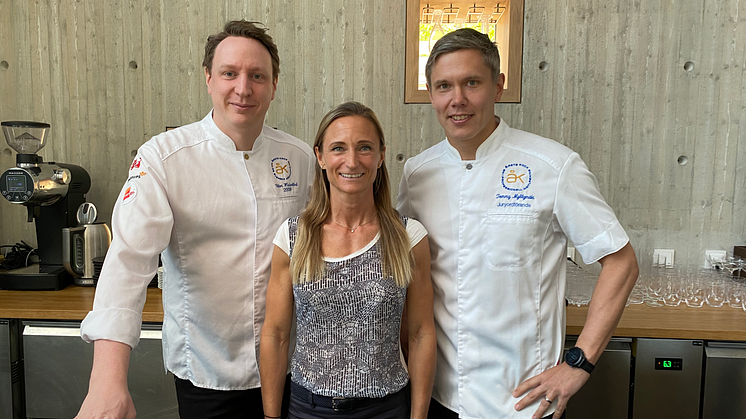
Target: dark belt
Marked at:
339, 404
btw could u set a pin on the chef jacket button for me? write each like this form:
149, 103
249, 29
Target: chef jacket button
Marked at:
469, 166
245, 156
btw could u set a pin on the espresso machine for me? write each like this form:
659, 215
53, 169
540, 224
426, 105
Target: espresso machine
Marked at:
52, 193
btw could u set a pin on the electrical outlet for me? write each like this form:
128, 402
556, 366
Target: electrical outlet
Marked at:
663, 257
714, 255
571, 253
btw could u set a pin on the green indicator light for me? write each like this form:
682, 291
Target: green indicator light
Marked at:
666, 364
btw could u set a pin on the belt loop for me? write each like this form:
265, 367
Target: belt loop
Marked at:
310, 399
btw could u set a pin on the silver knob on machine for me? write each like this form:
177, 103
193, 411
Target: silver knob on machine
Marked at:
61, 176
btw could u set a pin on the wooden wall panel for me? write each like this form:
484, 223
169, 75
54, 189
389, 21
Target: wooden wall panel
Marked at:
108, 75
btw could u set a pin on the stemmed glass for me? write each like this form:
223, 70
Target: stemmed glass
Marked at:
733, 266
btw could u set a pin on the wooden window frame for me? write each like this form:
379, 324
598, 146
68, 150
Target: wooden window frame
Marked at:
512, 94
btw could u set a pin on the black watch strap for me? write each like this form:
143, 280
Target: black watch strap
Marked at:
587, 366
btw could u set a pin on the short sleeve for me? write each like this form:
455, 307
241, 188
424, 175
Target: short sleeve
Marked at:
583, 214
282, 238
416, 232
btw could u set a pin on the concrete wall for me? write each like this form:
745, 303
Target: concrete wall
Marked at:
107, 75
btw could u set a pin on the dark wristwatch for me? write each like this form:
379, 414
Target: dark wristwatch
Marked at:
576, 359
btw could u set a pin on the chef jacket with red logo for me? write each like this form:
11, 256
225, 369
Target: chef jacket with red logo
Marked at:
212, 211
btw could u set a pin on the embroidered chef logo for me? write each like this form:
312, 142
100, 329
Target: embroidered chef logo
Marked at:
281, 168
136, 164
516, 177
129, 194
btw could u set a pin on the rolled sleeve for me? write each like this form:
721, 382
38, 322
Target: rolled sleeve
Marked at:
117, 324
584, 215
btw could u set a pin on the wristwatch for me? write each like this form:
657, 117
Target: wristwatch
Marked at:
576, 359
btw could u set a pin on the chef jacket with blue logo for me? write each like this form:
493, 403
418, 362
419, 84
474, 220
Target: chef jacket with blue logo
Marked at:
212, 211
498, 229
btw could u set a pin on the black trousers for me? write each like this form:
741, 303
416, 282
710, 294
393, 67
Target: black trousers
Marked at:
393, 406
438, 411
203, 403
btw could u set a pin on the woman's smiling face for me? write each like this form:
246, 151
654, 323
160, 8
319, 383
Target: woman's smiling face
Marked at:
351, 154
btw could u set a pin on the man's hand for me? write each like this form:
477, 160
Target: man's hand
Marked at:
107, 402
557, 384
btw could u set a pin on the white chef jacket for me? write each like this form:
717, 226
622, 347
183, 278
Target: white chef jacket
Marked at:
498, 229
212, 211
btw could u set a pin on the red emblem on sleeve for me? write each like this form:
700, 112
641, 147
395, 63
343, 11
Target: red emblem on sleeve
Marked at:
129, 194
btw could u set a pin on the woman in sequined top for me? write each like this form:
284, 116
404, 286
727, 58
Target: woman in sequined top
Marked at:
349, 265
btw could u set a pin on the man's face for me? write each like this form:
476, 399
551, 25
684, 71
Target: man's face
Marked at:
240, 84
464, 95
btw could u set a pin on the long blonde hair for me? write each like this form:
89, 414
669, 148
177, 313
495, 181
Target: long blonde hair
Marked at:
307, 262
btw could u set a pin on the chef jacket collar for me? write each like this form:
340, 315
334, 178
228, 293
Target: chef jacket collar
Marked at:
221, 138
490, 145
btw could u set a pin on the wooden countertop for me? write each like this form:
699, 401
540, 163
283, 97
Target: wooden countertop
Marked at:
682, 322
71, 303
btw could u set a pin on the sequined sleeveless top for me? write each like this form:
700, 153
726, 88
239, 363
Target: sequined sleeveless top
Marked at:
348, 326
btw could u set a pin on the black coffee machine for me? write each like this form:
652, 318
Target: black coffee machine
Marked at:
52, 193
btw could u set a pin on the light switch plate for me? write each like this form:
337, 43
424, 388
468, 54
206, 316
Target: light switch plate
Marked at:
663, 257
571, 253
714, 255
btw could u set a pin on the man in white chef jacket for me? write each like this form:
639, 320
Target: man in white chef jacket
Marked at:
499, 205
209, 198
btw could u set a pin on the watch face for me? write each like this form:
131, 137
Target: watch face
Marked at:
574, 356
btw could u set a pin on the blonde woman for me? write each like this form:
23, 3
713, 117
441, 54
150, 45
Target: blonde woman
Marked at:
348, 265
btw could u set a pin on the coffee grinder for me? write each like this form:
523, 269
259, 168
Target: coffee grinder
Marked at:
52, 193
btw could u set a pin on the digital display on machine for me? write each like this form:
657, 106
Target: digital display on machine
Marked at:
16, 183
674, 364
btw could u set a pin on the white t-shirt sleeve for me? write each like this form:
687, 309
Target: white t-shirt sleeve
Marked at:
416, 232
583, 214
282, 238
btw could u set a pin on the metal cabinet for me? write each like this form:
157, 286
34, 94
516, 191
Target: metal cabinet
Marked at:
725, 381
606, 393
58, 367
11, 371
668, 376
